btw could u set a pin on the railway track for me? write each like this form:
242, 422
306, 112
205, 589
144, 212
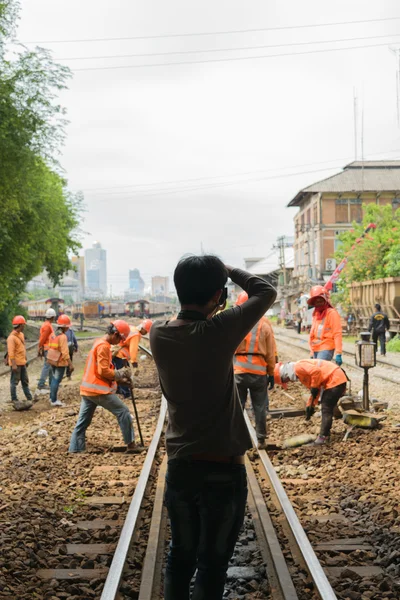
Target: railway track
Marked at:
103, 557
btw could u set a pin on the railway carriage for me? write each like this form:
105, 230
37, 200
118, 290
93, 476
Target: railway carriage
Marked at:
36, 309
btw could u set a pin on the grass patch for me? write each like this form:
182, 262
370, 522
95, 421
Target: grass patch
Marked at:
81, 335
394, 344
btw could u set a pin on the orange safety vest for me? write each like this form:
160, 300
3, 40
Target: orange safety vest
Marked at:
124, 352
91, 381
54, 344
249, 359
323, 332
330, 375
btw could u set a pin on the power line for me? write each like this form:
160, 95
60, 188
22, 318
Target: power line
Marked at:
217, 60
204, 33
207, 51
140, 192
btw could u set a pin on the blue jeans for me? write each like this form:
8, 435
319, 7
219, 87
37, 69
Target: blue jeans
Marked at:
119, 363
58, 374
46, 372
206, 504
257, 386
324, 354
89, 404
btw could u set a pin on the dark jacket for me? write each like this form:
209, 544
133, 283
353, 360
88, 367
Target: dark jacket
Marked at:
72, 341
379, 322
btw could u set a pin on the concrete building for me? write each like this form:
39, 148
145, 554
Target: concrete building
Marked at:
136, 283
159, 287
329, 207
79, 274
96, 271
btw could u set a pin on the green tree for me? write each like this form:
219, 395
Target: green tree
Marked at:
376, 256
39, 216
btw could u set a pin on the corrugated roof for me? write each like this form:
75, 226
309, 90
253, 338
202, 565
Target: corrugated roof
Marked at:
367, 176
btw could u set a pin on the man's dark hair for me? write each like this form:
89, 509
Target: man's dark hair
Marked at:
378, 307
197, 278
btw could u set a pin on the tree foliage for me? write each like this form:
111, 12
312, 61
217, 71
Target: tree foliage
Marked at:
38, 215
376, 256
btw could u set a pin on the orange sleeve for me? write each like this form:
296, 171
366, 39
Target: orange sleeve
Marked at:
104, 368
336, 325
11, 346
309, 374
44, 334
63, 345
270, 347
134, 347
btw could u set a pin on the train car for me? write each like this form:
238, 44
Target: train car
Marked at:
386, 292
36, 309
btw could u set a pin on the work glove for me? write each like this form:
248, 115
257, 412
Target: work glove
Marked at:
339, 360
123, 375
135, 369
271, 382
309, 412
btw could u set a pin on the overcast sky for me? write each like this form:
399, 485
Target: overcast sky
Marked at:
153, 148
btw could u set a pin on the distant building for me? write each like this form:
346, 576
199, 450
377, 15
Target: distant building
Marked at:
96, 270
136, 283
159, 286
68, 288
331, 206
79, 274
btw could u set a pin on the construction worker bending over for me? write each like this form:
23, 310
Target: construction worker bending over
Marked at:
326, 382
58, 357
126, 352
254, 364
378, 324
326, 328
46, 331
99, 386
16, 358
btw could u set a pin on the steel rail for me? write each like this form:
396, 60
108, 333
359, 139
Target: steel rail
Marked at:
322, 585
291, 342
111, 586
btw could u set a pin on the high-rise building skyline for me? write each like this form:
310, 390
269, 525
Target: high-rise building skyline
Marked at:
136, 283
159, 286
96, 269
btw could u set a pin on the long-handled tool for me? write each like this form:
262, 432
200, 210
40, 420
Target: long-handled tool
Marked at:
136, 415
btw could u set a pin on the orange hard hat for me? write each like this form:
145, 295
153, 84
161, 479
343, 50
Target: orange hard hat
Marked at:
18, 320
318, 291
242, 298
122, 327
146, 325
277, 376
64, 321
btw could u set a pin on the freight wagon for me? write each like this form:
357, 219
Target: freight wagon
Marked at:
112, 309
36, 309
386, 292
147, 308
89, 310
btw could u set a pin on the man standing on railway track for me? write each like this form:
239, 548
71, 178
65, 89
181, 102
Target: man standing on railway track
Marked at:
207, 435
254, 365
99, 386
379, 324
326, 382
326, 328
16, 355
58, 356
46, 331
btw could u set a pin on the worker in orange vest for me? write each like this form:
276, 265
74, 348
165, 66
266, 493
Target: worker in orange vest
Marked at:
59, 358
99, 386
326, 329
16, 359
46, 331
253, 365
326, 382
126, 352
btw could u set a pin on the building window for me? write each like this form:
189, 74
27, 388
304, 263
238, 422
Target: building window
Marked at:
342, 210
302, 222
308, 220
356, 210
